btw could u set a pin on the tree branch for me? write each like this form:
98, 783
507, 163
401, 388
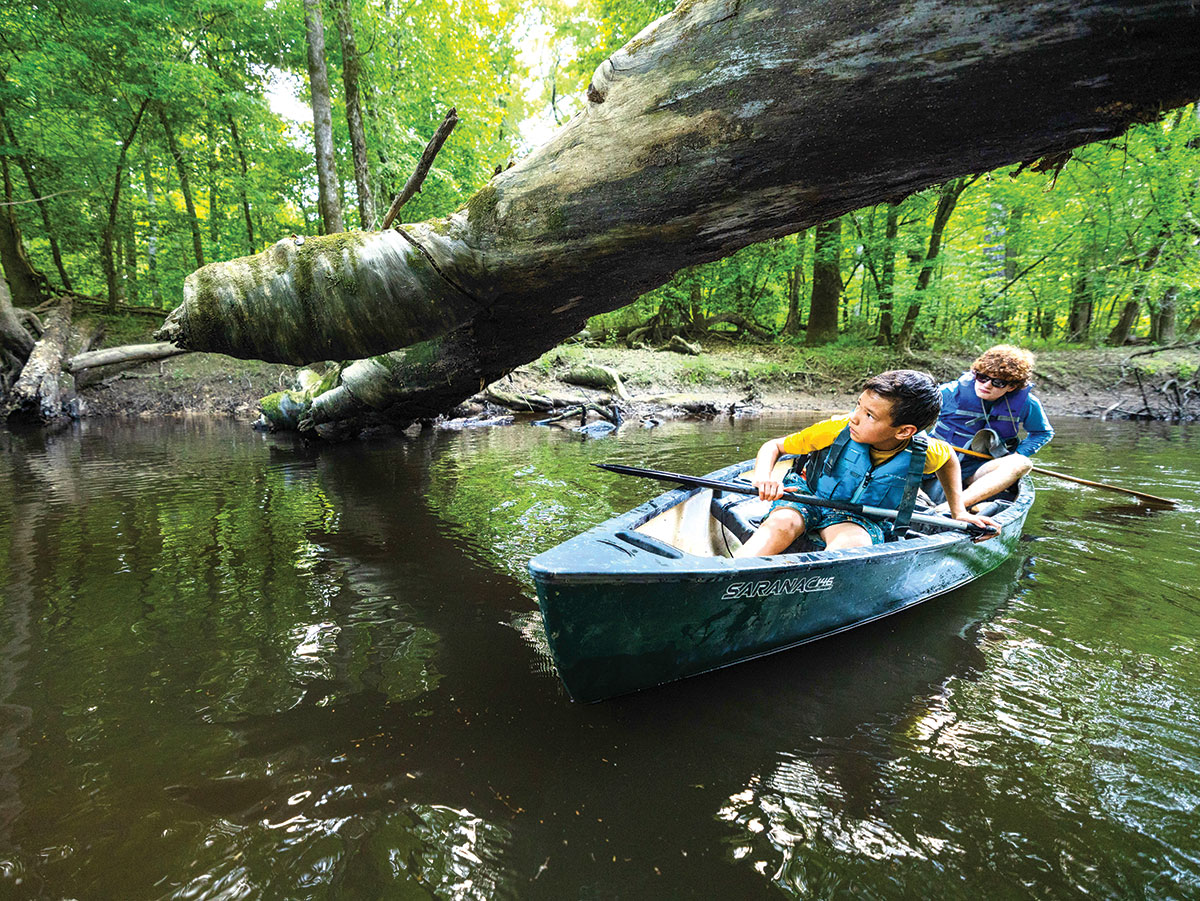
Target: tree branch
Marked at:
413, 185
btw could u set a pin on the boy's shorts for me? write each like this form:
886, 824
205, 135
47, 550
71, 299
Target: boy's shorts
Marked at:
817, 518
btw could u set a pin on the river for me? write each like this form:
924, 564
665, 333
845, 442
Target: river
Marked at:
234, 665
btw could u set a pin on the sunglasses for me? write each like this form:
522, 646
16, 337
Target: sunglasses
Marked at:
998, 383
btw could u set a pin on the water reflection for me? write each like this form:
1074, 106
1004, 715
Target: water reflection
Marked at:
238, 666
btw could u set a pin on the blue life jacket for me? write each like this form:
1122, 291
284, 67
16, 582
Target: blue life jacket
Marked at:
843, 471
963, 414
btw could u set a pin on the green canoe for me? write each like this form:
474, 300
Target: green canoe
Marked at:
653, 595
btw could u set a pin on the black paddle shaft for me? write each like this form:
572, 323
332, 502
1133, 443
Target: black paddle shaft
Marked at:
937, 522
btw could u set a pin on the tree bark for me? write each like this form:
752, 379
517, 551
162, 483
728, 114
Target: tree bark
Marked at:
1083, 291
14, 337
1120, 333
128, 353
1129, 314
665, 168
185, 185
329, 199
354, 118
37, 395
27, 283
826, 283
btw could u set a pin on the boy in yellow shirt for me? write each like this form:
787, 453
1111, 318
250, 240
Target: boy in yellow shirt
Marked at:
876, 456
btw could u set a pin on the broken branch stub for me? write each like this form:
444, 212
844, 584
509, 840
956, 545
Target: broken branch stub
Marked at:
413, 185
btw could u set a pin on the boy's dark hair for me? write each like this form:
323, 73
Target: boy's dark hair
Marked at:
915, 396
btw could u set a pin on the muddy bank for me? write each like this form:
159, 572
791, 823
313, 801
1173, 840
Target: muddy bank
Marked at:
1069, 382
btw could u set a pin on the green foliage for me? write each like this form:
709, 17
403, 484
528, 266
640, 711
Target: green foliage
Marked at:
80, 79
1118, 224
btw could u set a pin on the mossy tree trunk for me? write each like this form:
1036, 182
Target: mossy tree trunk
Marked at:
722, 124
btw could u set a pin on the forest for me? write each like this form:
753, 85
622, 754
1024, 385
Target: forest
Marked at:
140, 141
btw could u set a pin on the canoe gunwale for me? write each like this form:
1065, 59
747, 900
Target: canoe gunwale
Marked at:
553, 567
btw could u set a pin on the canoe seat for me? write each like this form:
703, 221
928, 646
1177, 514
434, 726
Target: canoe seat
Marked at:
741, 515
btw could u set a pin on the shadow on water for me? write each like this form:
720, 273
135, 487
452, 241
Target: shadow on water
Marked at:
295, 672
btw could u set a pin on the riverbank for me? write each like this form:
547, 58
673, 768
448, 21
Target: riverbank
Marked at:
1086, 382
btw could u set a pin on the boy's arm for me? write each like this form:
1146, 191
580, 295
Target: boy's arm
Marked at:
769, 487
1038, 430
950, 475
805, 441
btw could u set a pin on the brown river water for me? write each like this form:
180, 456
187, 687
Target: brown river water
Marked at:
238, 666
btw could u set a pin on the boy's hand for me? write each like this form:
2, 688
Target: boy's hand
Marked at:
984, 522
769, 488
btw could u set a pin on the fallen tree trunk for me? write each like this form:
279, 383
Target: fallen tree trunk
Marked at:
798, 114
128, 353
42, 388
95, 366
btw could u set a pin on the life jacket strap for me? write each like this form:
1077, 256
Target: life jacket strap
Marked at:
824, 460
918, 449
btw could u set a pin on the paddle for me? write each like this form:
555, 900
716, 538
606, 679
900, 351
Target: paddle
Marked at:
937, 522
1151, 498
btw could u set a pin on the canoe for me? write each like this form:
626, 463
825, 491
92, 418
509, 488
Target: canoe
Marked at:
653, 595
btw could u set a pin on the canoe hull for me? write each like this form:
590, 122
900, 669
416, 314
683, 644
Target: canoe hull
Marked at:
622, 613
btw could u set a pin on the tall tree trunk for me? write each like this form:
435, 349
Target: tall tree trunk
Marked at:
1002, 314
328, 190
385, 189
792, 326
108, 230
28, 284
1129, 314
354, 119
185, 185
241, 155
947, 200
826, 283
129, 238
214, 191
1083, 294
1120, 333
152, 237
1162, 319
887, 277
34, 192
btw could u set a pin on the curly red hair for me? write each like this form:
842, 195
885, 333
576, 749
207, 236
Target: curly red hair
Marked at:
1005, 361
